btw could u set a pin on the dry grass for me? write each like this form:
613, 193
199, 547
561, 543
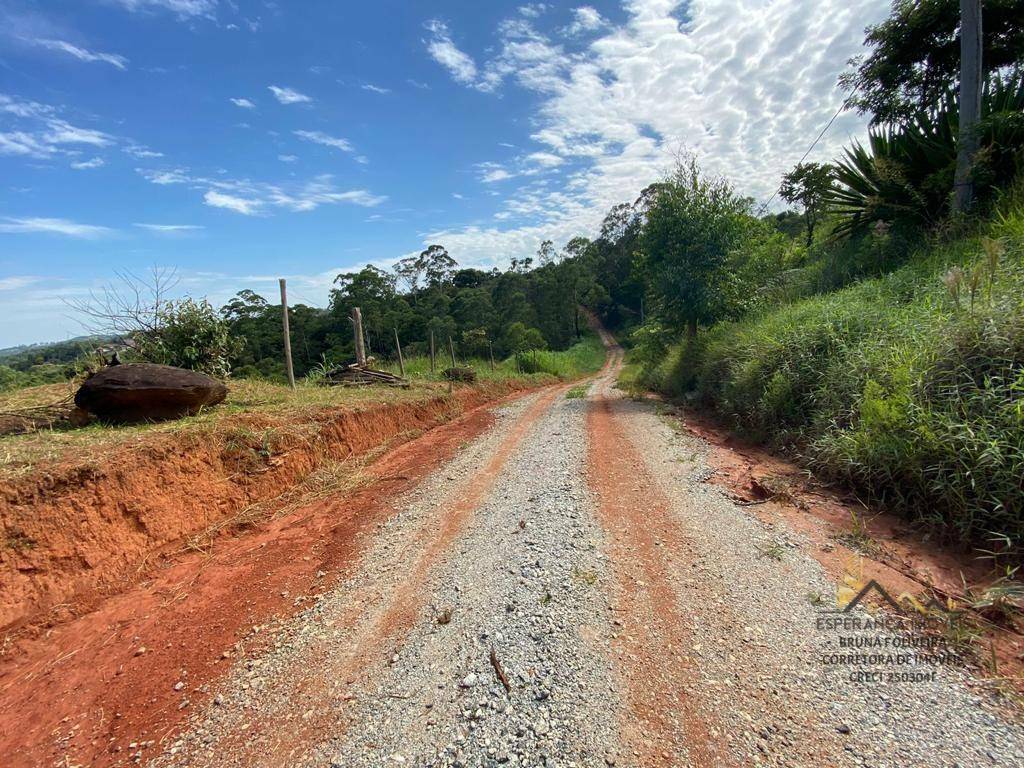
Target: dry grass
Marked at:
251, 406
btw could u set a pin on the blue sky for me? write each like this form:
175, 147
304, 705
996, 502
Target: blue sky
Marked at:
239, 141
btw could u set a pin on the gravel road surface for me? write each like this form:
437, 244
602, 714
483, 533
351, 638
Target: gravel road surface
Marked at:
568, 591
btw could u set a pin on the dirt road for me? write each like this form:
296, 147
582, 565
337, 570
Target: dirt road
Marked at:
566, 590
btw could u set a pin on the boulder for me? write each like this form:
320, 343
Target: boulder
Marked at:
459, 374
147, 392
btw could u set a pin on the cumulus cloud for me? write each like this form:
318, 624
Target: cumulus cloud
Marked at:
12, 225
744, 84
447, 54
319, 137
243, 103
586, 19
288, 95
82, 54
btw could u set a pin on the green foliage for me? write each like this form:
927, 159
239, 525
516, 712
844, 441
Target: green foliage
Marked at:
808, 185
905, 174
915, 55
693, 223
908, 393
188, 334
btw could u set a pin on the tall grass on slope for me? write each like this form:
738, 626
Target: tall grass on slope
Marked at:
908, 387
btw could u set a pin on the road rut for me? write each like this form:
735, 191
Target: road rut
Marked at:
568, 591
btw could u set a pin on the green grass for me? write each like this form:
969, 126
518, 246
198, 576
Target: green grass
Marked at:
894, 386
583, 358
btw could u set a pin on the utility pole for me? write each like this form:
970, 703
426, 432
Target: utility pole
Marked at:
970, 101
287, 335
357, 330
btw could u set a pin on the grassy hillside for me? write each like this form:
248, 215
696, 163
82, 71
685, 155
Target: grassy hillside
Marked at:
908, 387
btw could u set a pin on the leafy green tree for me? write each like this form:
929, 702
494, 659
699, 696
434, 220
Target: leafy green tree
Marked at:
915, 56
692, 224
808, 185
519, 338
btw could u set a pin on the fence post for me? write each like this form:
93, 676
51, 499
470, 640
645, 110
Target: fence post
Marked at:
490, 352
451, 349
287, 335
431, 353
357, 330
401, 362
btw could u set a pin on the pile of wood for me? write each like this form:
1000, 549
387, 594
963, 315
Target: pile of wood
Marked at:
356, 375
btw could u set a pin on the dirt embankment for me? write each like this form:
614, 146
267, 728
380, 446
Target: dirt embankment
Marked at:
90, 525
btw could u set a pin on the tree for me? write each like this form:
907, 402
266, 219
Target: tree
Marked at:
546, 253
915, 56
693, 222
808, 185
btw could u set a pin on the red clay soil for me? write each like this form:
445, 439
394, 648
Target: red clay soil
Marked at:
81, 692
665, 722
777, 491
88, 526
276, 740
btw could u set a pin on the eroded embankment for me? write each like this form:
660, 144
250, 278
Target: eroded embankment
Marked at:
90, 525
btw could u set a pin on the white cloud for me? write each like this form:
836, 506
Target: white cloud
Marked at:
587, 19
15, 282
96, 162
41, 134
140, 152
744, 84
61, 132
12, 225
457, 196
243, 103
376, 88
253, 197
495, 174
231, 202
444, 52
319, 137
545, 159
532, 10
287, 158
62, 46
288, 95
170, 229
183, 8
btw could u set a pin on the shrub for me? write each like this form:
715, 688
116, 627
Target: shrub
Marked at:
908, 393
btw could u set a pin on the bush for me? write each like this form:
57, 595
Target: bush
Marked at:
908, 387
188, 334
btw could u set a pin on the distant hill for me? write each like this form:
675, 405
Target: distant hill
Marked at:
24, 356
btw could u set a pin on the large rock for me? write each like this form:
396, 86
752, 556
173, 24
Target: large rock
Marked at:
147, 392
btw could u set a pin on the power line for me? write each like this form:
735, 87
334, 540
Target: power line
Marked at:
842, 107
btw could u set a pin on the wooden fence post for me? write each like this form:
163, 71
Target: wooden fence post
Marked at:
401, 362
431, 353
287, 335
357, 329
451, 349
490, 351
